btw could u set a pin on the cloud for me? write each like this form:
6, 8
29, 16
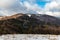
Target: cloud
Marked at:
10, 7
6, 7
52, 8
33, 7
18, 7
6, 3
51, 5
3, 13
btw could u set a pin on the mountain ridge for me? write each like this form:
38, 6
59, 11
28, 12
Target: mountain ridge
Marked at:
29, 24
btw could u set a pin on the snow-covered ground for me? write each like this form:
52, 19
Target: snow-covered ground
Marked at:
29, 37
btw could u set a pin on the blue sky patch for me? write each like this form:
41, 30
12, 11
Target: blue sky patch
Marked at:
42, 3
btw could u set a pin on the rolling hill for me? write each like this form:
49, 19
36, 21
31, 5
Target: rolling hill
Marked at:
33, 24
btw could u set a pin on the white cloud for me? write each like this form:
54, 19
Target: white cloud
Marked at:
3, 13
6, 3
33, 7
10, 7
6, 13
57, 14
52, 8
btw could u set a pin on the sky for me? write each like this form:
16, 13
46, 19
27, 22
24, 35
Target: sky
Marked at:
11, 7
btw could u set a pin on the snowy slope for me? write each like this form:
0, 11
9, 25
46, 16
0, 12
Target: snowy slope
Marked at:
29, 37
